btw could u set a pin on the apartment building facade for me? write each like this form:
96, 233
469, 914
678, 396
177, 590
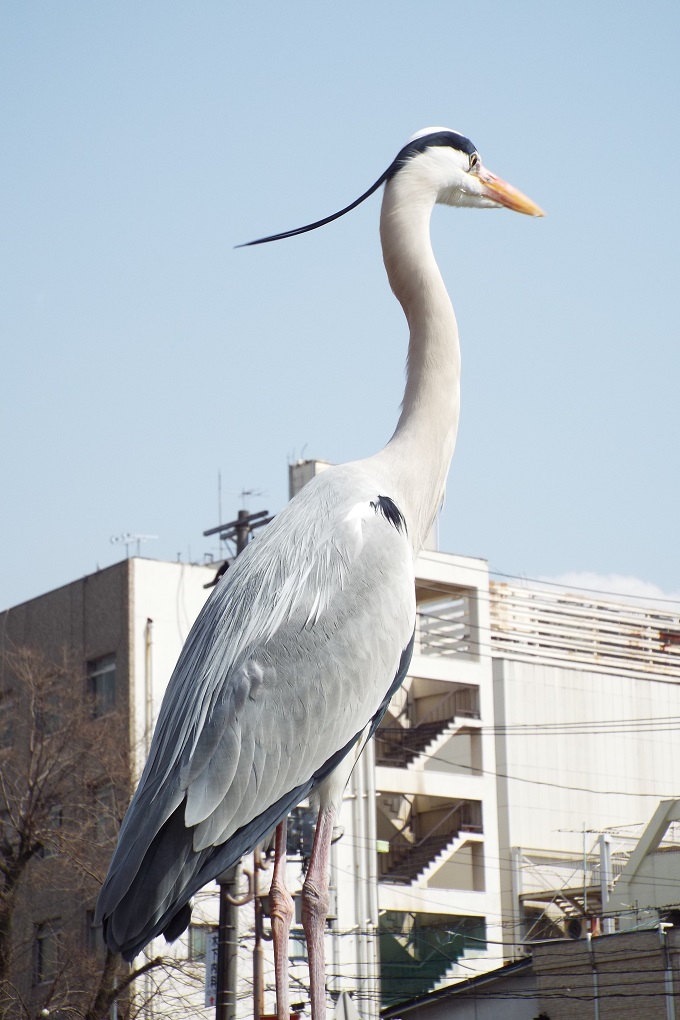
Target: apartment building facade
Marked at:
586, 713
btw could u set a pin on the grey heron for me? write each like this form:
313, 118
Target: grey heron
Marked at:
293, 660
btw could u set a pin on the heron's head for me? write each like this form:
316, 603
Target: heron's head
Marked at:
446, 167
446, 162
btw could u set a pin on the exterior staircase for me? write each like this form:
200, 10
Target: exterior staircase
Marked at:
402, 746
410, 863
470, 964
419, 961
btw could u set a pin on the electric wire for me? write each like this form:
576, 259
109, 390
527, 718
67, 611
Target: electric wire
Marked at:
623, 596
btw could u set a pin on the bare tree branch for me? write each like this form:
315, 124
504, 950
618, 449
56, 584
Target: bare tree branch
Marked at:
64, 786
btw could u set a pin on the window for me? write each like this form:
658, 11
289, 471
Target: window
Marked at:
94, 934
106, 822
46, 950
8, 834
198, 937
297, 946
7, 713
48, 713
50, 840
101, 683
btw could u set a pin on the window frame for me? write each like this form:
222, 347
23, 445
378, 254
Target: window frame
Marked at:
101, 684
47, 950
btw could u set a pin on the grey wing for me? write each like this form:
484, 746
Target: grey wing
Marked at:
288, 662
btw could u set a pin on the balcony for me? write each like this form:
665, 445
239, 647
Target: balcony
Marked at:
426, 721
428, 838
446, 624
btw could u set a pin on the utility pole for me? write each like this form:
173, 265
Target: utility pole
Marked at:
605, 881
227, 946
239, 532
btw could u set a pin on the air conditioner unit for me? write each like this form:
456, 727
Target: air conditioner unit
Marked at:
576, 927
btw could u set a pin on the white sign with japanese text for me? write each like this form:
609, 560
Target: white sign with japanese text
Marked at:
211, 940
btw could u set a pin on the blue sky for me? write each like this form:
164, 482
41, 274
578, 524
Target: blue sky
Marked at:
143, 353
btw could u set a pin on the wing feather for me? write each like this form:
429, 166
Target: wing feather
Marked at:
205, 793
212, 769
268, 762
226, 817
287, 663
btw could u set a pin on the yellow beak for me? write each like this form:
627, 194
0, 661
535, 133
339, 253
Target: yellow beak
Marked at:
500, 191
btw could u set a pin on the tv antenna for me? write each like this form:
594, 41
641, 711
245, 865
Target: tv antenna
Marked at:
127, 539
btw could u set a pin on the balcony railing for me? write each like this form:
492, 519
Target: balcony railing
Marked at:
446, 627
407, 858
398, 746
565, 628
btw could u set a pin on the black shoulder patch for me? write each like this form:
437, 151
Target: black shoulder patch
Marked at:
391, 512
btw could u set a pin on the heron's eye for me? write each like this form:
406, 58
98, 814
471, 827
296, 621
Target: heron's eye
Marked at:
474, 160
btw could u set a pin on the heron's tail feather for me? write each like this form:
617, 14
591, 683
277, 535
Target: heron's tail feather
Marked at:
156, 900
178, 924
155, 895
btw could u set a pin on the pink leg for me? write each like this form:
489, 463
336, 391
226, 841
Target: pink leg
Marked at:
281, 906
315, 910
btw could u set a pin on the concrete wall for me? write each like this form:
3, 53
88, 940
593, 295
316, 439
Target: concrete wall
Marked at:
86, 619
615, 977
578, 750
509, 993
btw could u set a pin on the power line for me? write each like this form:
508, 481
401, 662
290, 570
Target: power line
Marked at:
579, 587
561, 585
474, 770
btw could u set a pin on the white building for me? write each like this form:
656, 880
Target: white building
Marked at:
587, 705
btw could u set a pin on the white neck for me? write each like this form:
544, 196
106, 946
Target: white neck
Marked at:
419, 453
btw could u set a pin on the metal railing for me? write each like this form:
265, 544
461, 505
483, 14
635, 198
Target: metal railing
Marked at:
400, 745
446, 627
530, 623
461, 701
407, 858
